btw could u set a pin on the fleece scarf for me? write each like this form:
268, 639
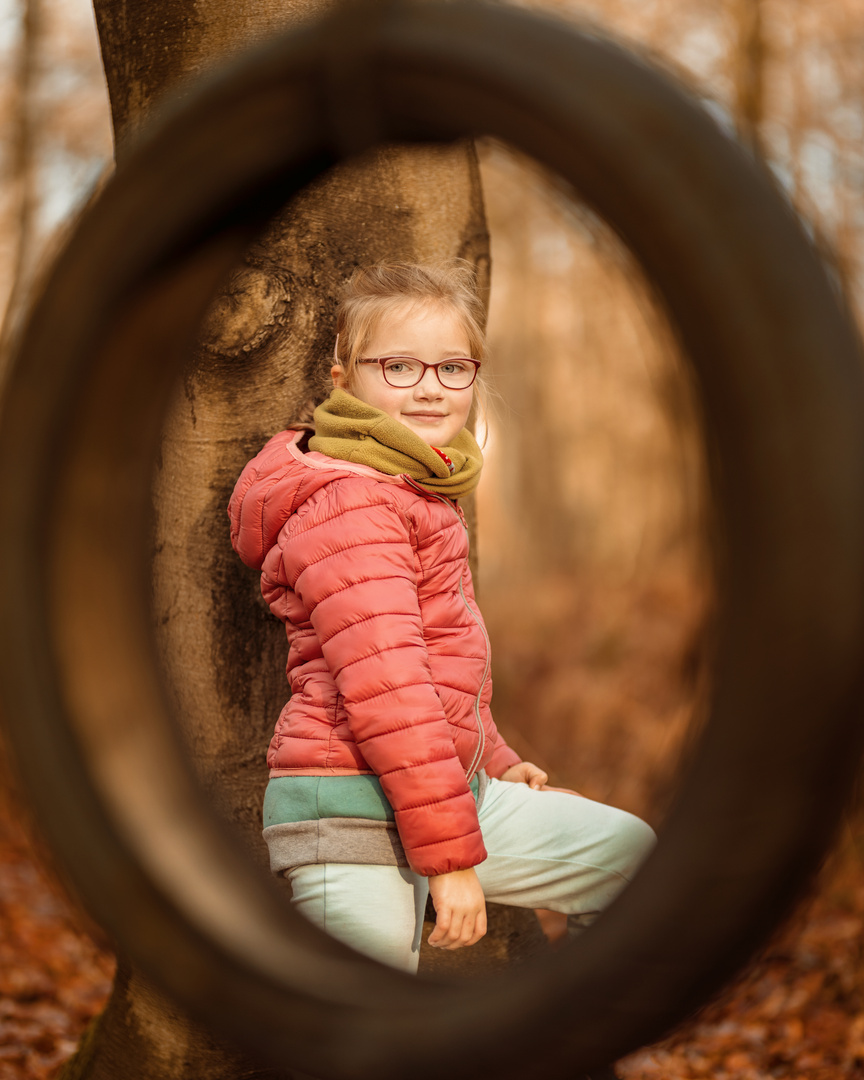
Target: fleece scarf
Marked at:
349, 429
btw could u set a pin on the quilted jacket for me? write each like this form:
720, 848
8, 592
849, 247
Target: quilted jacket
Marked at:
388, 660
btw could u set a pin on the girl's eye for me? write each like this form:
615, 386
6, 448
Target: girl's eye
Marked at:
396, 367
453, 367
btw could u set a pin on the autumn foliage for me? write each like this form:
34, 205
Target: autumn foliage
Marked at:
53, 977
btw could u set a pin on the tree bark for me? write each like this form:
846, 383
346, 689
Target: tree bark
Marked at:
264, 351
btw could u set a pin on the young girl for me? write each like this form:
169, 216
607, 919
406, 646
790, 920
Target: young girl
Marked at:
389, 779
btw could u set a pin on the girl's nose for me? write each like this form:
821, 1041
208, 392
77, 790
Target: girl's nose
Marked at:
429, 386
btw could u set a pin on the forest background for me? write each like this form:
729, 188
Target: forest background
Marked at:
595, 570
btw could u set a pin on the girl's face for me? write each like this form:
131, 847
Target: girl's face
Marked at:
428, 332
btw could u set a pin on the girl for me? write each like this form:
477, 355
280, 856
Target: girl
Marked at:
389, 779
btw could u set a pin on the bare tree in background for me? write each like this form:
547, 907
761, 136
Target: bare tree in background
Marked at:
22, 167
749, 68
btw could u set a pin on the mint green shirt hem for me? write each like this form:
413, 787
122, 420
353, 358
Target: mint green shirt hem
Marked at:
290, 799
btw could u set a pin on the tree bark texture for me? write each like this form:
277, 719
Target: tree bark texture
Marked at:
264, 350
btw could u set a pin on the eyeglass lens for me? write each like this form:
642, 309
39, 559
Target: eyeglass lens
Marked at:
406, 371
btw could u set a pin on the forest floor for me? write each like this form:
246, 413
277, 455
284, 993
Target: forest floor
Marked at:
798, 1010
54, 978
797, 1013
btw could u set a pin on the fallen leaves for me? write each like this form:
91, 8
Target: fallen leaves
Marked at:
798, 1011
53, 978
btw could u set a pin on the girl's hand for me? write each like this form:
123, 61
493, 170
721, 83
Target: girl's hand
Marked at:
526, 773
460, 909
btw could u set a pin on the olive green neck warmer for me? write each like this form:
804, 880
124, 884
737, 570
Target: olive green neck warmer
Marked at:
349, 429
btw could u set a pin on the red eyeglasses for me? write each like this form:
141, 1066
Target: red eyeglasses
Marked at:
402, 371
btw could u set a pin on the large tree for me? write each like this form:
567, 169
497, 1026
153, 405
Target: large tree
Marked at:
263, 351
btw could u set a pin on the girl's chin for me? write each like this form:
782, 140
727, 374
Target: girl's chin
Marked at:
427, 429
429, 433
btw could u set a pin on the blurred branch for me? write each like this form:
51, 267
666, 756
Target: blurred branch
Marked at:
749, 71
23, 161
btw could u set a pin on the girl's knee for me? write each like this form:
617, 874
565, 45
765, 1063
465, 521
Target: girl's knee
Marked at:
634, 840
623, 844
628, 843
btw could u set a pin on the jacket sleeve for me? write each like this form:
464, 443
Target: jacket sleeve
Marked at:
502, 757
353, 569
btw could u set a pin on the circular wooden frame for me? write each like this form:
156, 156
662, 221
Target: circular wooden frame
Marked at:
777, 367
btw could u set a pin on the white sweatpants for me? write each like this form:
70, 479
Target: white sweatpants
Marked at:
546, 849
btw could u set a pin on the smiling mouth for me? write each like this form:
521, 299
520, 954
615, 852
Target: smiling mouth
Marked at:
426, 415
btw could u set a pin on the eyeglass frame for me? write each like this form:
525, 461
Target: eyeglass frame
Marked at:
381, 360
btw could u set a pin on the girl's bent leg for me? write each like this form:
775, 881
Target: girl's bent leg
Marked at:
551, 850
377, 910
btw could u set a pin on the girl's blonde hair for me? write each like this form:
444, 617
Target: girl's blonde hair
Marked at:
372, 293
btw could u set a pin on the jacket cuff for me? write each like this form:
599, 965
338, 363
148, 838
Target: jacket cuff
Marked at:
447, 855
502, 758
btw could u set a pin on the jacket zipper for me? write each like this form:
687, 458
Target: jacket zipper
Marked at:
481, 742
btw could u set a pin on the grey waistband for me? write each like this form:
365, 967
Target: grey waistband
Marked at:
334, 840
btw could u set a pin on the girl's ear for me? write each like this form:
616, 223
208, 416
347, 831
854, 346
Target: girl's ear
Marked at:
337, 374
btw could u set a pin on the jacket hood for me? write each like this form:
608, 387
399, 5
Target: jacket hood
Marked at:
275, 483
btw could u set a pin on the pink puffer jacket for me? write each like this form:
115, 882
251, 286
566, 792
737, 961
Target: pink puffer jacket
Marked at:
388, 661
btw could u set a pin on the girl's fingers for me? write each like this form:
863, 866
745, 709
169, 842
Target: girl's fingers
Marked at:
441, 928
526, 772
459, 905
456, 933
448, 928
451, 934
463, 936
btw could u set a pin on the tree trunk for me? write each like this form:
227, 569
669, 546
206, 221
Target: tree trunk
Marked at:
264, 350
